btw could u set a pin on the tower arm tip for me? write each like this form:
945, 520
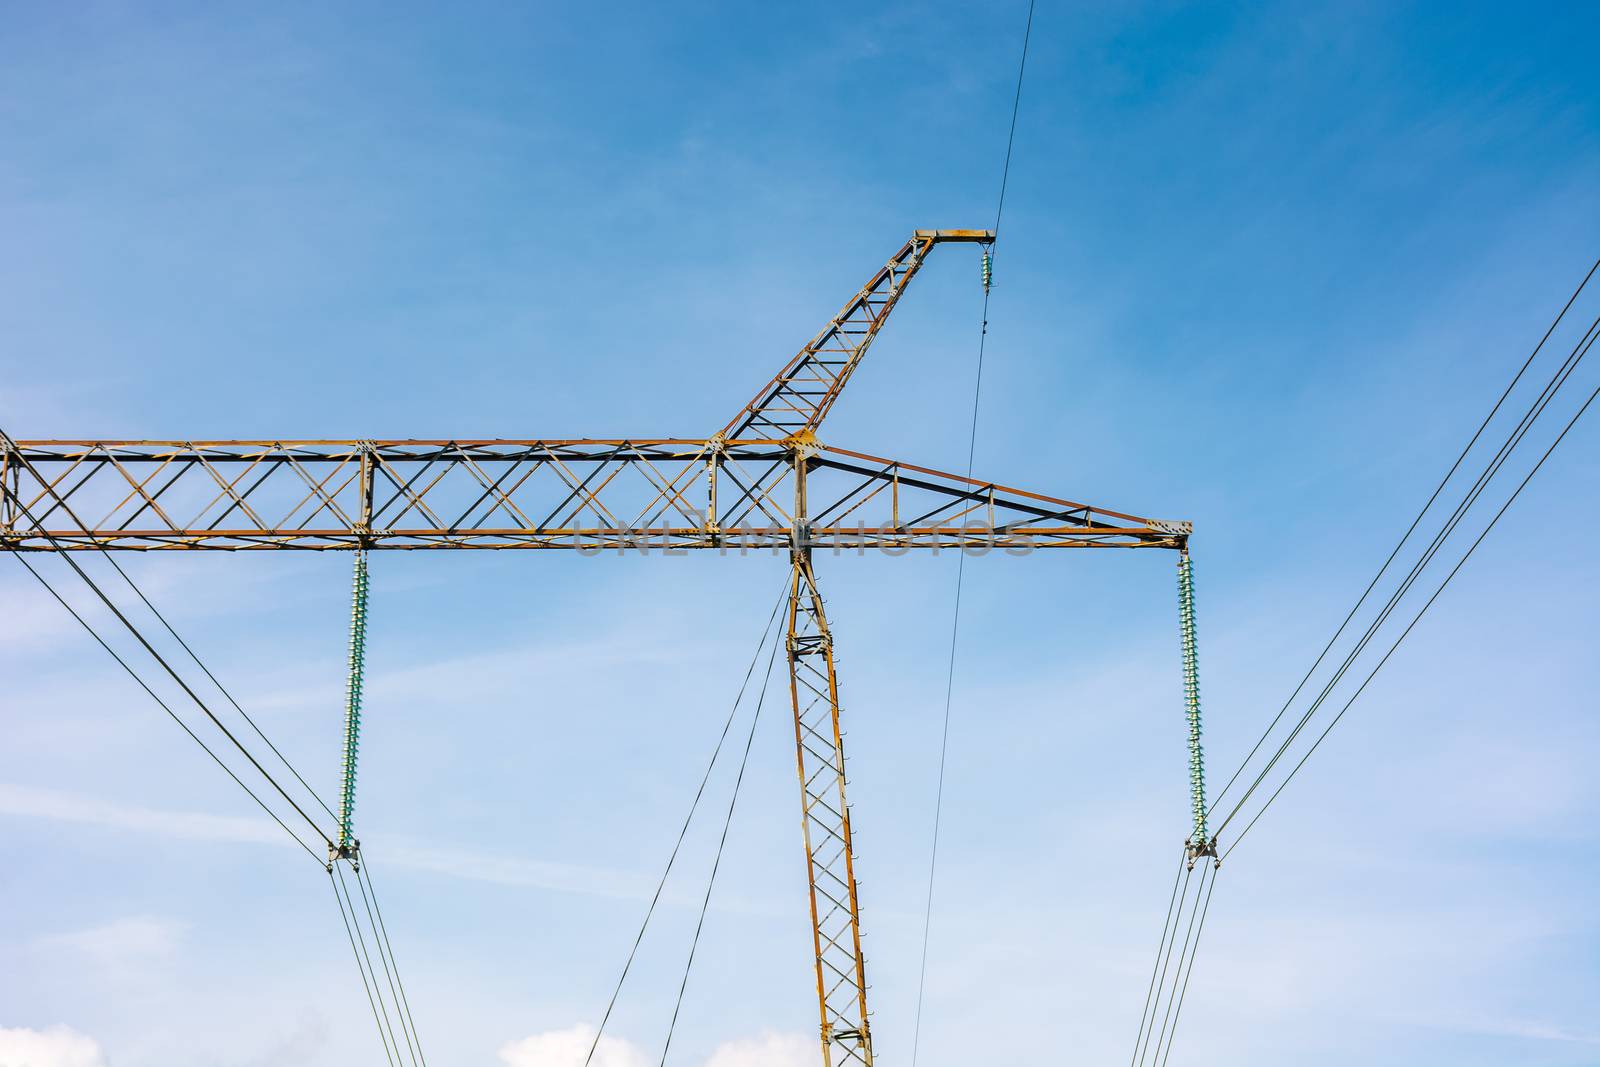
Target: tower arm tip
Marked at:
981, 237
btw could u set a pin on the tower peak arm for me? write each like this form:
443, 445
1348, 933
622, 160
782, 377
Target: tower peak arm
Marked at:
800, 395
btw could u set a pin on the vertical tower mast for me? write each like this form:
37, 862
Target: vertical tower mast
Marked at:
825, 812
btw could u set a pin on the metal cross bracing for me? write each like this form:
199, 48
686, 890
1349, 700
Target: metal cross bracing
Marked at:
584, 494
764, 482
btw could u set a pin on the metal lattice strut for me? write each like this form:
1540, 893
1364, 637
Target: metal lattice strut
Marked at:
825, 822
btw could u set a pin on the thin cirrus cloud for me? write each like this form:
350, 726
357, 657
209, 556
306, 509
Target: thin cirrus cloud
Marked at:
32, 802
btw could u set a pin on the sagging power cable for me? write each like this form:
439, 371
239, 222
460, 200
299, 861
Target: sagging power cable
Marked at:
164, 706
10, 445
716, 863
1513, 440
683, 830
364, 871
1175, 1011
347, 908
961, 559
339, 896
138, 635
1418, 617
1415, 522
1174, 961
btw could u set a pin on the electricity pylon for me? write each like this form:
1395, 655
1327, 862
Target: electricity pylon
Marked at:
763, 481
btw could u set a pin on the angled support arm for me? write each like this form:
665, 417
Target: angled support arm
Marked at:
797, 399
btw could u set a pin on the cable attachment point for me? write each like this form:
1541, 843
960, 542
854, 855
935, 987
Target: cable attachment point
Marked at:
1204, 848
350, 852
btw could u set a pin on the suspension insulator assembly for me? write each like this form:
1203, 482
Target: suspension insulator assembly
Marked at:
352, 707
1200, 842
988, 269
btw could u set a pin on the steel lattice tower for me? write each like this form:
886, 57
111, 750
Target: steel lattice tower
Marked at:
764, 480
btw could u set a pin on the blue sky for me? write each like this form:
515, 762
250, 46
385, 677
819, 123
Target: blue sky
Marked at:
1263, 267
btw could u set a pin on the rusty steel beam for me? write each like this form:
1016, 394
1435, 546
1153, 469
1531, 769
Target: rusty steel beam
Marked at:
841, 968
588, 495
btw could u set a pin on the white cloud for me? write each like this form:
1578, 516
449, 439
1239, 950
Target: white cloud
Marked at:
568, 1048
55, 1047
768, 1050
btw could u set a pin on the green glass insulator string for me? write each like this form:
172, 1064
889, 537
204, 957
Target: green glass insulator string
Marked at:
1200, 835
352, 707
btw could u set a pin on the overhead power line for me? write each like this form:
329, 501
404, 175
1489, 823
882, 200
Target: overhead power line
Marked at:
961, 558
1415, 522
1179, 989
683, 830
11, 446
164, 706
1424, 610
716, 863
1480, 484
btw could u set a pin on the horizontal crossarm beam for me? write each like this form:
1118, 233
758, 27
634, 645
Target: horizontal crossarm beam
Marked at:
588, 495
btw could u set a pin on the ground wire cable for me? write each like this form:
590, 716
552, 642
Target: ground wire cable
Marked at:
1563, 373
705, 903
1217, 800
684, 829
961, 559
1329, 729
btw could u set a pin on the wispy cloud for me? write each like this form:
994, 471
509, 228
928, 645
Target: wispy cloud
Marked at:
517, 871
32, 802
133, 940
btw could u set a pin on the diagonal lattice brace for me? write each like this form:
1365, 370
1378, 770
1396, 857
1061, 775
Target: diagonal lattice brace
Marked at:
798, 398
